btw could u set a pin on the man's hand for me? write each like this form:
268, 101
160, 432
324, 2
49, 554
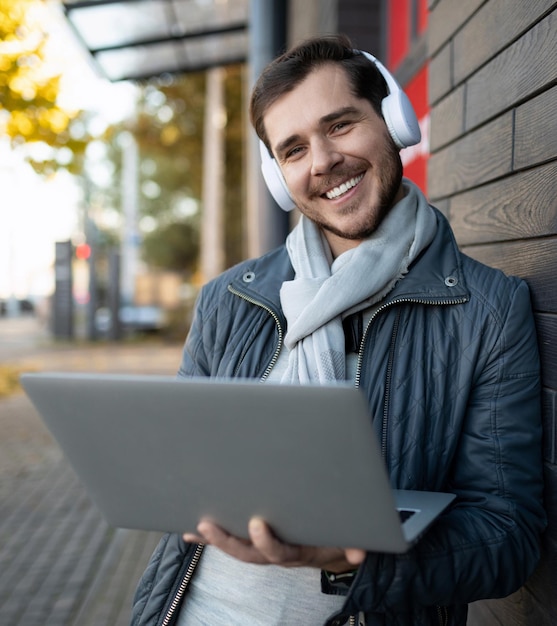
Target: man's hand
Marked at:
264, 548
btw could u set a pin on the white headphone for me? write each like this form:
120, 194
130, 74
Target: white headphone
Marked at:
399, 116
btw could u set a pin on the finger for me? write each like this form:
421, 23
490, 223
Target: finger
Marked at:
192, 538
290, 555
234, 546
274, 550
354, 556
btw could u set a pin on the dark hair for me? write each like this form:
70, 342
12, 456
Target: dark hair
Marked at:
288, 70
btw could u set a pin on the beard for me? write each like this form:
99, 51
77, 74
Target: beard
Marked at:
389, 181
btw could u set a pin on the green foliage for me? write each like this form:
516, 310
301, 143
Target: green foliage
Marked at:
168, 128
175, 246
29, 110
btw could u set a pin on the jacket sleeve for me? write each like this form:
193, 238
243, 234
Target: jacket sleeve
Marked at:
488, 543
195, 360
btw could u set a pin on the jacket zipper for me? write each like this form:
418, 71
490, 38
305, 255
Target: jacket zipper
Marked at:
279, 328
199, 549
443, 614
183, 585
441, 611
388, 379
391, 356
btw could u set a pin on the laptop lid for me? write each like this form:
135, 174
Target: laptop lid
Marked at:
159, 453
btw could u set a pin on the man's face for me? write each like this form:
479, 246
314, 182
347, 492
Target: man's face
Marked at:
337, 157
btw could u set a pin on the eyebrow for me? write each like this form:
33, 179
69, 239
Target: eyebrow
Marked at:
326, 119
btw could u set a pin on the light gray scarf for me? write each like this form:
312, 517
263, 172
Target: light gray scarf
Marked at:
324, 291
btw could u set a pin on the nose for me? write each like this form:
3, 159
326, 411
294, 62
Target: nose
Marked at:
324, 156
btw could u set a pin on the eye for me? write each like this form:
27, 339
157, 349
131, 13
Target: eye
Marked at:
294, 152
340, 126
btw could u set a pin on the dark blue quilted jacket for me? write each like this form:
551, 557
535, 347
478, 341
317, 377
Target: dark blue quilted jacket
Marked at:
450, 366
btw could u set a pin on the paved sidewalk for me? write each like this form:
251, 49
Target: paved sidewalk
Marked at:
60, 563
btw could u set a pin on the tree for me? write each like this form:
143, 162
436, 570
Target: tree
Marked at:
29, 90
168, 128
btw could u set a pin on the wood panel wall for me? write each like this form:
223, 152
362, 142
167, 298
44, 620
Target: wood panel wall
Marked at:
493, 172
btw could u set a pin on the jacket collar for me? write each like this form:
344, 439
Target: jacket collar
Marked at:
436, 277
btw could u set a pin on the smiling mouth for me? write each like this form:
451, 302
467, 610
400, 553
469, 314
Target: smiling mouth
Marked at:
342, 189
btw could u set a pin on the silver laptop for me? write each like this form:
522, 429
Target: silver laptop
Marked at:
157, 453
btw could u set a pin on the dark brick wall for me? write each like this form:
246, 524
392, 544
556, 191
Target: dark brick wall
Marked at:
493, 171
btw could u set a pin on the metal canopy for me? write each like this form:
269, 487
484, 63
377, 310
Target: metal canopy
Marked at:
137, 39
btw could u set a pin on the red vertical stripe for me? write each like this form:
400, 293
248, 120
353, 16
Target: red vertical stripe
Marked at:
416, 90
423, 14
416, 171
399, 31
414, 158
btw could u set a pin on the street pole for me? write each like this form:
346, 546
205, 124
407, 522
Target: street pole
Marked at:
268, 225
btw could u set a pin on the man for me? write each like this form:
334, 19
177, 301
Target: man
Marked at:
370, 287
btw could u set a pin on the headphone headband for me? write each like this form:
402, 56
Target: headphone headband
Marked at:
399, 116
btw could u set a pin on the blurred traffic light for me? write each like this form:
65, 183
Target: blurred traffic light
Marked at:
83, 251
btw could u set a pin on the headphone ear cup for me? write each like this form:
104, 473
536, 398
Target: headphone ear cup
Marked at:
275, 180
401, 119
397, 110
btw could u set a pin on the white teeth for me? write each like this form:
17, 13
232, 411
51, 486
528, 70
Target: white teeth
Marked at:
337, 191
